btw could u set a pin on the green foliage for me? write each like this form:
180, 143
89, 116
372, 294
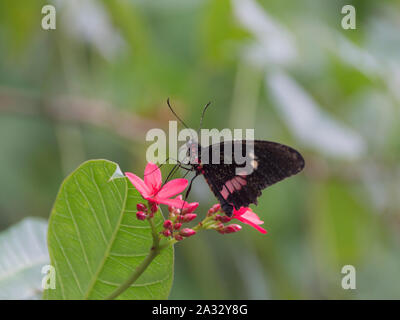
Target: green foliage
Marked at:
335, 212
95, 241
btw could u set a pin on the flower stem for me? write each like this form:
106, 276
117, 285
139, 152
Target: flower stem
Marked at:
156, 238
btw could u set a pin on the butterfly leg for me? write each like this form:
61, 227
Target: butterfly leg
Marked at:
173, 170
190, 186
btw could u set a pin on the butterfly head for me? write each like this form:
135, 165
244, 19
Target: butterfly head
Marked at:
193, 151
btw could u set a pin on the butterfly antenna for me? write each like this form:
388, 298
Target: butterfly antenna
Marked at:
172, 110
202, 116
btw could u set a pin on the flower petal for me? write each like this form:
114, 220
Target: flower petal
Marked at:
246, 215
176, 203
250, 223
138, 184
192, 206
152, 177
251, 216
172, 188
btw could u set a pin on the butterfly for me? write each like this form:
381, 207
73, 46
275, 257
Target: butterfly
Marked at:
237, 171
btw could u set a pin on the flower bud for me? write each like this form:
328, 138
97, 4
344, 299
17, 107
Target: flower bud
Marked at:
232, 228
190, 208
187, 232
188, 217
167, 233
140, 215
167, 224
177, 225
178, 237
210, 212
141, 207
154, 207
216, 207
225, 219
220, 227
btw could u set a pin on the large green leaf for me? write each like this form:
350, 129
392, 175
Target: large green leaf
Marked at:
95, 241
23, 254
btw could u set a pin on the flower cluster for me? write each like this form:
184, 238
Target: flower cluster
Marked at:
181, 212
244, 214
177, 217
143, 212
220, 221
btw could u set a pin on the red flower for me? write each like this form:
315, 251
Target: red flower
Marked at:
246, 215
151, 189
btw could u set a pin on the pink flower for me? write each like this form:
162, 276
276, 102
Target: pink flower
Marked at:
151, 189
246, 215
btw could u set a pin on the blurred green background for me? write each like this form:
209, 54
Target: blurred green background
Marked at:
95, 85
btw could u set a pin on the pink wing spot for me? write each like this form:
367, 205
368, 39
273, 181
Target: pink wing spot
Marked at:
224, 193
230, 186
242, 181
235, 184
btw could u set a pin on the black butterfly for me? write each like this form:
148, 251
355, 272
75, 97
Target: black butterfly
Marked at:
238, 183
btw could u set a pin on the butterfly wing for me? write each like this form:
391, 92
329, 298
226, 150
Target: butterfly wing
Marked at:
238, 181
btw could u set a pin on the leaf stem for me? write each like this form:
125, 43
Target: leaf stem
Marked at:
154, 252
135, 275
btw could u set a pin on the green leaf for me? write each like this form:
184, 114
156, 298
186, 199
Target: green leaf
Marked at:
23, 253
95, 241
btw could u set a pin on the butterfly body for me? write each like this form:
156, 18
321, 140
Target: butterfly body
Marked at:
237, 171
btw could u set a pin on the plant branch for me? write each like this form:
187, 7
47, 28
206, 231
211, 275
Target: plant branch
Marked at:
75, 110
